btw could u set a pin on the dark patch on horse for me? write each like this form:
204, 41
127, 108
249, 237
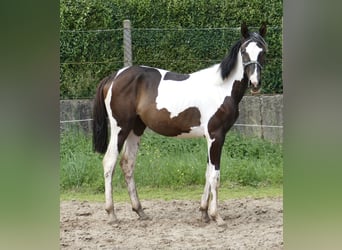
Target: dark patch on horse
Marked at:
239, 89
165, 125
216, 150
139, 127
126, 89
182, 123
218, 125
175, 76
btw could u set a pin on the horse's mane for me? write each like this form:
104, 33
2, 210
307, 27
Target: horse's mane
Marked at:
228, 63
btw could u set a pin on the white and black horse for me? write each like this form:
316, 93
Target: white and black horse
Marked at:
201, 104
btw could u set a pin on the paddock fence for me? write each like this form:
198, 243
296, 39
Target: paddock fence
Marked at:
260, 116
87, 56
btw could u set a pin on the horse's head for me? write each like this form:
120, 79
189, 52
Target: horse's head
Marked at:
253, 50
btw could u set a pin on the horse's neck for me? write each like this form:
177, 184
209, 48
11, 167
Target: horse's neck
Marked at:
209, 75
234, 85
235, 82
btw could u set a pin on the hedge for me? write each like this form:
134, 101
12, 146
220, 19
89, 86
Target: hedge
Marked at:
183, 36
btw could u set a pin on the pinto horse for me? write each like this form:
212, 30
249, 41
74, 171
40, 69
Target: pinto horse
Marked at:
201, 104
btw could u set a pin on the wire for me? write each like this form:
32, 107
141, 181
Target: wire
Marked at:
237, 124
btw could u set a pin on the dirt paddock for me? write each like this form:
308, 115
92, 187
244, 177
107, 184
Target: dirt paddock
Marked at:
250, 224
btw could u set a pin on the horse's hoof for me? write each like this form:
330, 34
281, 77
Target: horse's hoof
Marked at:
112, 219
220, 222
205, 217
113, 222
144, 217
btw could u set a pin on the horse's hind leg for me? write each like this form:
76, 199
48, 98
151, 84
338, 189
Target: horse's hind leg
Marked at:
127, 164
109, 162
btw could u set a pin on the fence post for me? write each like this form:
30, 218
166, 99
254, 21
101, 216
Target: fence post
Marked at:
127, 43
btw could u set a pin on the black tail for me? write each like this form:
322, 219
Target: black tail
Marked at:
100, 126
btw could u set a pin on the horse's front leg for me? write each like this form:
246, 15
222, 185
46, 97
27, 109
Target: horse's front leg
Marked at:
213, 179
206, 195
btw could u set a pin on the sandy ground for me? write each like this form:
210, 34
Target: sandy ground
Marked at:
250, 224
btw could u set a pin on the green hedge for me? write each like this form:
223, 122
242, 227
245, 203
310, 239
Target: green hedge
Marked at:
182, 36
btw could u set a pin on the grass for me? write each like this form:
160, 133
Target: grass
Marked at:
173, 164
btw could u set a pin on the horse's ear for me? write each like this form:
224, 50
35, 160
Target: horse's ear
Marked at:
263, 29
244, 30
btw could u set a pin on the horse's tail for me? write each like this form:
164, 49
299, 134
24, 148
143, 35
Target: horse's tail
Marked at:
100, 126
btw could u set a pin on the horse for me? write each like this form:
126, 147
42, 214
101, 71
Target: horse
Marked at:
200, 104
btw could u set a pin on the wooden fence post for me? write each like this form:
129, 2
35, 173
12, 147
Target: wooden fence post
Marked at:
127, 43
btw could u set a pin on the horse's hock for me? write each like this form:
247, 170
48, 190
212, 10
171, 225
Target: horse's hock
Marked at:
260, 116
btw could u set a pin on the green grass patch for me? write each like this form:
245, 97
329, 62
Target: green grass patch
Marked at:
171, 163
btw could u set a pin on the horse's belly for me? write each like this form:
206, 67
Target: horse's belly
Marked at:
186, 124
194, 132
172, 131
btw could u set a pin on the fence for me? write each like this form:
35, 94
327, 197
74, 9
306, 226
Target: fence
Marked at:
260, 116
88, 56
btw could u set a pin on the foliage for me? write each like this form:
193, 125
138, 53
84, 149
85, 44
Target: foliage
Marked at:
182, 36
79, 165
172, 163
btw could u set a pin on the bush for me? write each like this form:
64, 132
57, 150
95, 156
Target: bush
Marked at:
186, 36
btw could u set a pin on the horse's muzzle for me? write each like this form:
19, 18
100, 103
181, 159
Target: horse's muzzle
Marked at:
254, 87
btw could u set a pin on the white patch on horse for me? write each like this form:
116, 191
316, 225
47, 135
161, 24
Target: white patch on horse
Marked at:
205, 90
208, 174
253, 51
109, 160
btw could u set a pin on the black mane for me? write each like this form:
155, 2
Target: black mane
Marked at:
228, 63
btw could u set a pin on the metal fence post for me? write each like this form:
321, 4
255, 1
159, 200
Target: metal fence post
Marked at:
127, 43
